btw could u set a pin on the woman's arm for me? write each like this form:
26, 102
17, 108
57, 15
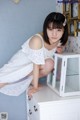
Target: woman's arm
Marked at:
35, 76
35, 44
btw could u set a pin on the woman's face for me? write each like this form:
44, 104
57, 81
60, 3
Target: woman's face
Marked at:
54, 34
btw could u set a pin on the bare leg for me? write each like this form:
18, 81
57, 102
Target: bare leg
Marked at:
47, 68
3, 84
44, 70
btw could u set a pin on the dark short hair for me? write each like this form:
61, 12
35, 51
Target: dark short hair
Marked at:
57, 19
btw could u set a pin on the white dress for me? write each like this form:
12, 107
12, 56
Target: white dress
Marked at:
20, 65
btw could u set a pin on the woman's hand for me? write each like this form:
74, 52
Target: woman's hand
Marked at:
59, 49
33, 90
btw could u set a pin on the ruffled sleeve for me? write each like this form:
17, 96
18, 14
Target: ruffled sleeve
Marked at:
35, 56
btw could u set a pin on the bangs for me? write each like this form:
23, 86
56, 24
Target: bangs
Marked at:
55, 25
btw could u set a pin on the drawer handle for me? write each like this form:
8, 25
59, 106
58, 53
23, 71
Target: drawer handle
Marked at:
30, 112
29, 98
35, 109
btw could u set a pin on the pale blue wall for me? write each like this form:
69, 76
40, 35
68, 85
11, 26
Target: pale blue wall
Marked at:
14, 106
19, 21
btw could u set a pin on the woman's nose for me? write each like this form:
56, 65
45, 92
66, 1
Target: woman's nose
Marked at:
54, 33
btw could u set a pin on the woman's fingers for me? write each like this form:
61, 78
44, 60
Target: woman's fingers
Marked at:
33, 90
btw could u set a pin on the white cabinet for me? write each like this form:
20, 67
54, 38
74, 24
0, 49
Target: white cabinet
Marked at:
65, 79
33, 109
47, 105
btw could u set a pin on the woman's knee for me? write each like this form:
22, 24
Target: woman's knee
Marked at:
47, 68
49, 63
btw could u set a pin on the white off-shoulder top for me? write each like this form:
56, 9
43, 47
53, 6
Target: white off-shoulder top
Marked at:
16, 71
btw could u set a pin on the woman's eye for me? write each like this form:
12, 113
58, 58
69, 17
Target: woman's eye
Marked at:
50, 29
59, 29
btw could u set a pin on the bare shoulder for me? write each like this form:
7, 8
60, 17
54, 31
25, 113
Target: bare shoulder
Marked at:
35, 42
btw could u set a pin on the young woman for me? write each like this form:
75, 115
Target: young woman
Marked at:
35, 59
